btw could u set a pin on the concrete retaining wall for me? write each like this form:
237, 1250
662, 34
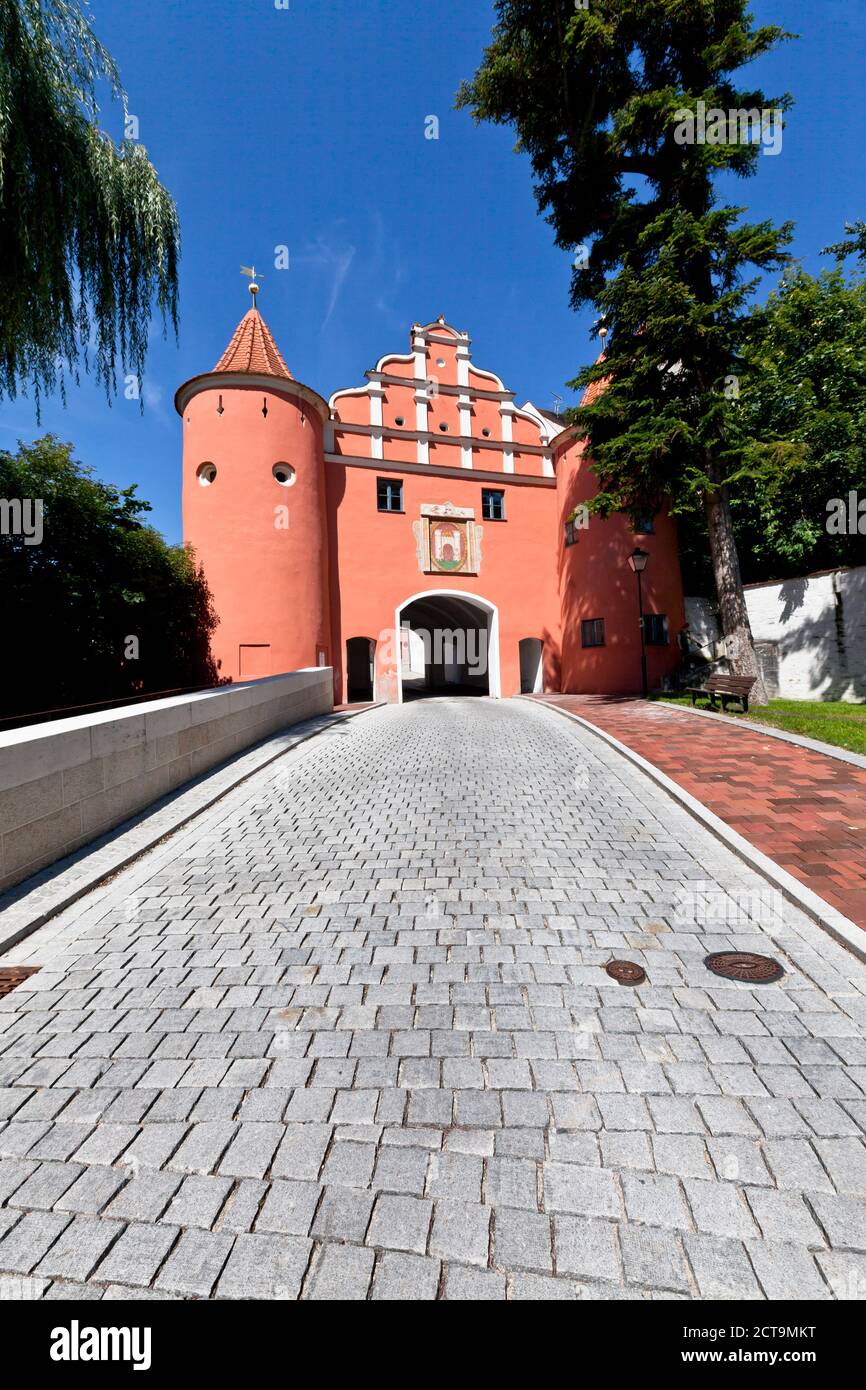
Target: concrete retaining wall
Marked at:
65, 783
810, 634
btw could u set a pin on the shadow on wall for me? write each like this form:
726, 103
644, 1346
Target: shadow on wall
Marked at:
810, 634
335, 487
793, 596
821, 627
596, 582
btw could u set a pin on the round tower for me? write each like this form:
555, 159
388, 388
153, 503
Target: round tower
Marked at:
254, 506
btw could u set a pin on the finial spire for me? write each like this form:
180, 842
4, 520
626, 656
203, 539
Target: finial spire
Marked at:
250, 271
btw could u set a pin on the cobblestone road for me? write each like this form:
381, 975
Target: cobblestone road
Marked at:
348, 1035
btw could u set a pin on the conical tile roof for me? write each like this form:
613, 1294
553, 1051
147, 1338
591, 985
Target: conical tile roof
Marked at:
252, 349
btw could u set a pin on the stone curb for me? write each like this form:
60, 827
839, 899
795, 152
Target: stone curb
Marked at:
814, 745
841, 928
29, 905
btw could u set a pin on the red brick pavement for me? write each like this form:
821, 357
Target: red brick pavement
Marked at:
805, 810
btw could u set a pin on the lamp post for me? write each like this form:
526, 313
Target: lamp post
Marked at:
638, 562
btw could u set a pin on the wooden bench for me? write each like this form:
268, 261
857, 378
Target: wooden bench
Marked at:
727, 688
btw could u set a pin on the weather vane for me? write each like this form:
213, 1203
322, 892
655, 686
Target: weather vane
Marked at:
250, 271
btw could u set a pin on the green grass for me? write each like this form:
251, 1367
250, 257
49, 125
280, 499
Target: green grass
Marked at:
830, 721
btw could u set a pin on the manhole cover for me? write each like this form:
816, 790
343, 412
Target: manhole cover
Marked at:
626, 972
744, 965
12, 975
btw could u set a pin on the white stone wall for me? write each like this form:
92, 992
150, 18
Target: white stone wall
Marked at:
701, 617
66, 782
813, 630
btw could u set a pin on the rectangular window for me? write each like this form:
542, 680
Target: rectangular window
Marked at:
655, 629
644, 526
593, 632
571, 532
389, 494
492, 504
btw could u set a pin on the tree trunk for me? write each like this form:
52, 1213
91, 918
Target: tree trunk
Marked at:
733, 613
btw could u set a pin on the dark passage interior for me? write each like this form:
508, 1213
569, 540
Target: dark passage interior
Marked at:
360, 664
444, 648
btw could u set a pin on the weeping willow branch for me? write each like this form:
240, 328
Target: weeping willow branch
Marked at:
90, 238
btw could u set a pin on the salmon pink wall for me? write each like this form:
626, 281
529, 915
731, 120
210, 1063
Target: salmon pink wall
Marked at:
595, 581
374, 557
269, 580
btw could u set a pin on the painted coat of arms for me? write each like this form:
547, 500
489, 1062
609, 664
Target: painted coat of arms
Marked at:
448, 545
448, 540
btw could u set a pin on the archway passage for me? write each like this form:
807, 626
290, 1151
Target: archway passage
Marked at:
360, 666
531, 666
447, 646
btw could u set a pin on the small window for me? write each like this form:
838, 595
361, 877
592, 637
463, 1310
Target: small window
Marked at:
486, 432
492, 504
389, 494
592, 632
399, 420
655, 629
644, 526
443, 427
284, 474
206, 474
571, 529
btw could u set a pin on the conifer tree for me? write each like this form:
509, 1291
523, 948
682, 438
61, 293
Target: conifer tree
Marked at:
629, 110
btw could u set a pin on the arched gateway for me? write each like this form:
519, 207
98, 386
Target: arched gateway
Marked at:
448, 645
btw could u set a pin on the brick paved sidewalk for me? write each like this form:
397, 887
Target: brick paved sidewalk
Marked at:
349, 1034
805, 810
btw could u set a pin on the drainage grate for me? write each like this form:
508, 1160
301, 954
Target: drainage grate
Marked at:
626, 972
744, 965
12, 975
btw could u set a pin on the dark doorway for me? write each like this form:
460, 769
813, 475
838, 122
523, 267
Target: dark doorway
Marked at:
531, 669
360, 664
445, 648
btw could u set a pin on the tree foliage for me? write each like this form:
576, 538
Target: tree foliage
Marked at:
853, 245
798, 428
597, 96
90, 237
98, 577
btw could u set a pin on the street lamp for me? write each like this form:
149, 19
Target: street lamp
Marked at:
638, 562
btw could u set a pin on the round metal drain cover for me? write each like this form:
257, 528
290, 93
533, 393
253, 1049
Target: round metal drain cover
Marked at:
626, 972
744, 965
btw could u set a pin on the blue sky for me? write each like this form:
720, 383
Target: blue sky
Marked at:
305, 126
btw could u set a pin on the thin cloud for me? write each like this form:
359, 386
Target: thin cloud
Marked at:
333, 261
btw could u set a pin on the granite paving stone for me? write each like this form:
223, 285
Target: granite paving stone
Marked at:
406, 1278
194, 1264
340, 1272
356, 1040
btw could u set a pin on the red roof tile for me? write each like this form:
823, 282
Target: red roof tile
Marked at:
252, 349
595, 388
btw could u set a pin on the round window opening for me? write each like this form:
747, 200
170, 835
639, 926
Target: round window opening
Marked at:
444, 428
206, 474
399, 420
284, 474
486, 433
440, 361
